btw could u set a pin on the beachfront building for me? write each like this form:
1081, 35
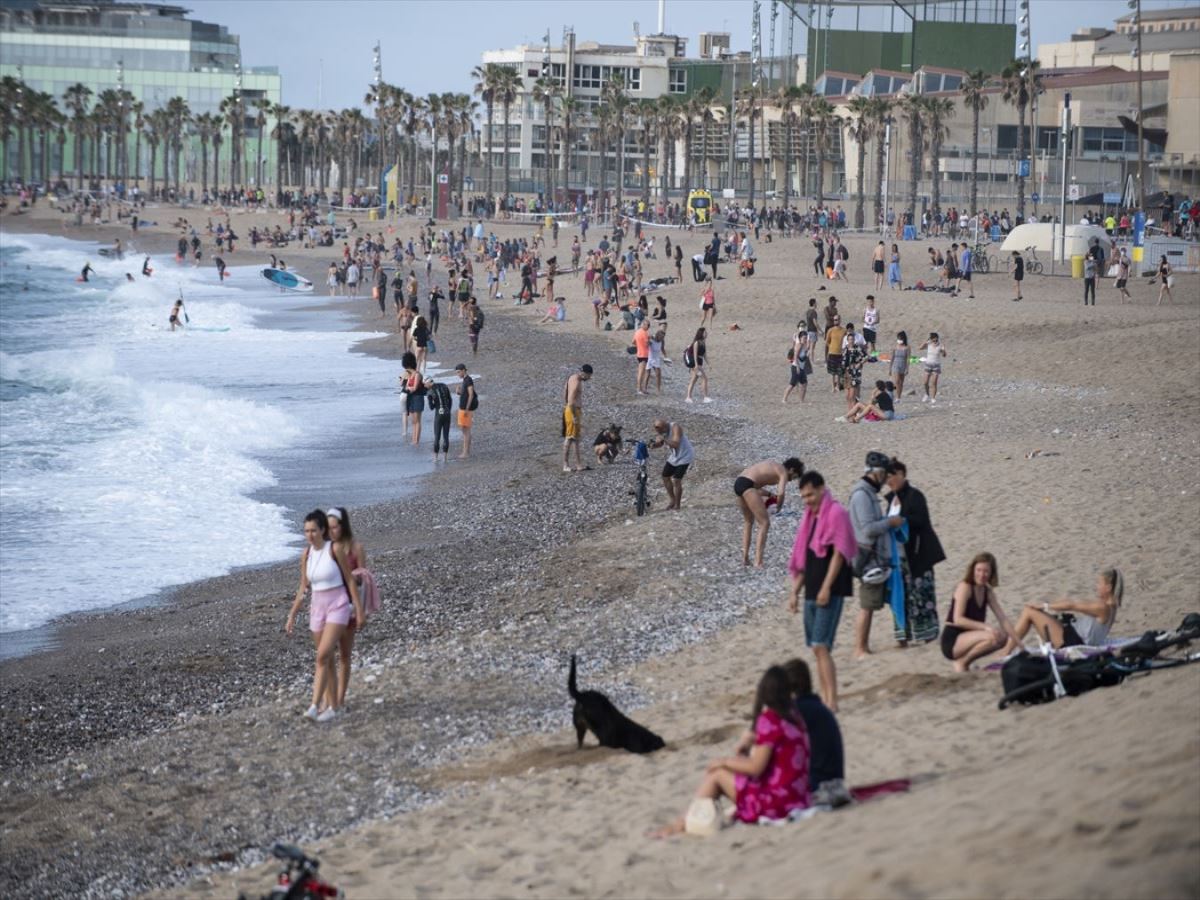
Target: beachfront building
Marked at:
132, 59
1165, 32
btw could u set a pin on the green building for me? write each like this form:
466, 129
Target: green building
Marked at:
154, 53
856, 36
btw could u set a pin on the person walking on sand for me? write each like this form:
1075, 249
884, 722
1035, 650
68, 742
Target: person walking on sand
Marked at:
334, 594
871, 534
708, 303
658, 356
1018, 267
932, 352
670, 435
572, 428
441, 404
695, 357
870, 322
414, 394
468, 402
895, 281
1165, 281
877, 265
820, 567
1122, 281
747, 488
341, 535
898, 367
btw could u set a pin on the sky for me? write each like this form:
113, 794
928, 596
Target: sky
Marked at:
323, 47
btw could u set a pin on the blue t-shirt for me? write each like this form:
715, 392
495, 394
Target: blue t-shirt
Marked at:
826, 759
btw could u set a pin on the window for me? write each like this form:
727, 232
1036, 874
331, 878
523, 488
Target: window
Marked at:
1006, 138
951, 82
1108, 140
595, 77
1047, 139
678, 81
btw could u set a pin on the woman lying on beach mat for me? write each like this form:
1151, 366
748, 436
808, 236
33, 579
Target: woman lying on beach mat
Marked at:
771, 781
1092, 619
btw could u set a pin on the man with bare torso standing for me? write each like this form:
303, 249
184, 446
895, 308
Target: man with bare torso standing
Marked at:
573, 417
750, 501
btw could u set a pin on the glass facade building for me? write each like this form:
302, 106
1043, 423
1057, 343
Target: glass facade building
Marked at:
152, 50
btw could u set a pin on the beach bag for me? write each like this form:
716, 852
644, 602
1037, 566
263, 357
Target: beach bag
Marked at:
869, 568
432, 346
1077, 677
689, 356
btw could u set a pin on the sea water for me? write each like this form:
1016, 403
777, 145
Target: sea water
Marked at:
133, 458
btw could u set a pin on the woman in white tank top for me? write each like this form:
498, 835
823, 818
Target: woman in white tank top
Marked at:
1092, 618
333, 591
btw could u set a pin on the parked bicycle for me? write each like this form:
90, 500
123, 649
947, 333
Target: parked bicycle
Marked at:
641, 492
298, 880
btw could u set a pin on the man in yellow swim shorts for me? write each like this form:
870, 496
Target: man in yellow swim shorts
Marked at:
573, 417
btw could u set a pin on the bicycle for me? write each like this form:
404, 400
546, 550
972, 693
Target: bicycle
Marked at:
298, 880
1105, 669
1033, 265
641, 458
979, 260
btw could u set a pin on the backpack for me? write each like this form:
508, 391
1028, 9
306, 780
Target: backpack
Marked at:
689, 356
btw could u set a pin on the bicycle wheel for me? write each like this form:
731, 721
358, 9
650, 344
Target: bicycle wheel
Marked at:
1035, 268
981, 264
641, 495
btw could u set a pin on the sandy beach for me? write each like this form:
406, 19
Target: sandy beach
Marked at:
159, 750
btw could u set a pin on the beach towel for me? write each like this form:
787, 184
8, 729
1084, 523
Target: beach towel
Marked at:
833, 528
896, 587
371, 600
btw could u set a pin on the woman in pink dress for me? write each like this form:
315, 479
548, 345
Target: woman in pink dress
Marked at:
772, 780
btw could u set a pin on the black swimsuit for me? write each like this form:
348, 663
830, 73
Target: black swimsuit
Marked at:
976, 612
742, 484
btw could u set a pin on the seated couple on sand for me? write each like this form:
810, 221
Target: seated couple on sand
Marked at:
794, 752
966, 637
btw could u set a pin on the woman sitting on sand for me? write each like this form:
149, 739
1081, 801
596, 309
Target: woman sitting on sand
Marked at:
878, 409
772, 780
1092, 618
326, 571
965, 636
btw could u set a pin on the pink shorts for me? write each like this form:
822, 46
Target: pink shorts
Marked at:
329, 608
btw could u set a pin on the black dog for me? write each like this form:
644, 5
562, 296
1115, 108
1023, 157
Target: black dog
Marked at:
594, 712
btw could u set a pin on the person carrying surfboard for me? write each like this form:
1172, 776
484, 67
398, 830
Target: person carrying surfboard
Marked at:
176, 311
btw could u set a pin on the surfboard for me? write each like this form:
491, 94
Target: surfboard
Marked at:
205, 328
289, 280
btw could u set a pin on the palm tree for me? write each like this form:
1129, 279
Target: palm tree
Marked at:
204, 129
673, 125
412, 123
76, 98
179, 116
602, 133
434, 117
8, 89
973, 86
466, 110
823, 123
218, 127
647, 113
547, 91
262, 109
861, 130
747, 106
937, 111
786, 98
279, 134
572, 109
613, 94
912, 107
234, 113
805, 99
880, 110
487, 83
1021, 82
507, 89
704, 112
157, 127
139, 122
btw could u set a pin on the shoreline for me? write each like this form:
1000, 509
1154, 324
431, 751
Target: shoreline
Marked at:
471, 649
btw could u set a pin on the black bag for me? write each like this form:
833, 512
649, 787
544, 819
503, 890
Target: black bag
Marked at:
689, 357
1077, 677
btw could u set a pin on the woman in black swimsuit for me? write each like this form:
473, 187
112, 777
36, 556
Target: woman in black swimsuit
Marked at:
966, 637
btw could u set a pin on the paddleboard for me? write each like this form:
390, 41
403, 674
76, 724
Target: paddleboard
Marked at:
289, 280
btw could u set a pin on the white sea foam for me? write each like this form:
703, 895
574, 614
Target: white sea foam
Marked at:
130, 453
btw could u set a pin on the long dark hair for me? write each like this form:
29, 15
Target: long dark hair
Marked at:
318, 518
774, 693
342, 515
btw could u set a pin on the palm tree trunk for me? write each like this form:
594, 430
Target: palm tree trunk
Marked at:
860, 193
750, 123
879, 151
935, 168
1020, 159
258, 168
974, 159
153, 160
820, 171
504, 144
787, 162
137, 156
203, 166
491, 141
914, 169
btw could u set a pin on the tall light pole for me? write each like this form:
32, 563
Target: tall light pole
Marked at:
1136, 5
20, 104
1026, 56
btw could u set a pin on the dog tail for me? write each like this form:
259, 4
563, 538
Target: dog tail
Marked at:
571, 688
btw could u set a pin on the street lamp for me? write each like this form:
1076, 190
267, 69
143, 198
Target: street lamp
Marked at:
1136, 5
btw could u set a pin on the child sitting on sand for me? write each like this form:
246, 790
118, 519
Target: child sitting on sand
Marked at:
769, 782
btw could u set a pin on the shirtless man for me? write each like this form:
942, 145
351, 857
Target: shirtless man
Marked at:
877, 265
748, 485
573, 417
